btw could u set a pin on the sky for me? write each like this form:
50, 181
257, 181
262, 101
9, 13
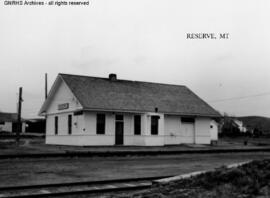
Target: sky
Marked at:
143, 40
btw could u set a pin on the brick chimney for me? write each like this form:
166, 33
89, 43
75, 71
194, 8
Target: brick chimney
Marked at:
112, 77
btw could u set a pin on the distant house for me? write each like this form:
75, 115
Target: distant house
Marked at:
84, 110
240, 126
232, 126
8, 122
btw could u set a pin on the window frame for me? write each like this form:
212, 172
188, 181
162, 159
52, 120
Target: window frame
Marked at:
119, 117
137, 123
188, 120
154, 125
69, 124
56, 121
100, 123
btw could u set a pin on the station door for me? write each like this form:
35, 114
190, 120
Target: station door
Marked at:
188, 133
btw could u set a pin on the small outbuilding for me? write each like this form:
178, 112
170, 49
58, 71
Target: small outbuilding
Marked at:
85, 110
8, 122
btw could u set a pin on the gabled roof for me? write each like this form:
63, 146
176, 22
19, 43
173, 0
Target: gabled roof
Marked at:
8, 117
134, 96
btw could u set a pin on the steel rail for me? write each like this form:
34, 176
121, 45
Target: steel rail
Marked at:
4, 191
80, 183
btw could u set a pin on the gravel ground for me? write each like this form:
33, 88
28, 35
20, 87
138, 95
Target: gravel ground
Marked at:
58, 170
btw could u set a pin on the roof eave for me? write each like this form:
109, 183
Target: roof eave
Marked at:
145, 111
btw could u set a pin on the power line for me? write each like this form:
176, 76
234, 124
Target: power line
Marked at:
241, 97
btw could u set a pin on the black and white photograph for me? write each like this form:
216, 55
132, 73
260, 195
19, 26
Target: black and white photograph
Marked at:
135, 98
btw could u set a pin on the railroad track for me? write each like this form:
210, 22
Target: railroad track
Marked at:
76, 188
128, 153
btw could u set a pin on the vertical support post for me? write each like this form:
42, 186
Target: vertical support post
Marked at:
19, 124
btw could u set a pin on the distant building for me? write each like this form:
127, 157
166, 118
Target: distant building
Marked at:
35, 125
240, 126
8, 122
84, 110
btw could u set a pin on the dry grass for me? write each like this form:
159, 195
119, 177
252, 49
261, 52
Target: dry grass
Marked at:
250, 180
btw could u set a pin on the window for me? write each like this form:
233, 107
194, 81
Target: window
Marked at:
100, 123
119, 117
154, 125
190, 120
69, 124
2, 123
56, 125
137, 125
76, 113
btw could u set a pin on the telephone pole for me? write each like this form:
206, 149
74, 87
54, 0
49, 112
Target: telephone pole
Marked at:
19, 121
46, 86
46, 95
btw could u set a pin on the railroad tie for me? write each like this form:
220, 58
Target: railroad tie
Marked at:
145, 184
44, 191
131, 185
111, 186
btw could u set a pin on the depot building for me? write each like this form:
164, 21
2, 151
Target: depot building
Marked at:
85, 111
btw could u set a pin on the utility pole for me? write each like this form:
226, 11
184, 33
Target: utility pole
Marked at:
46, 86
46, 95
19, 122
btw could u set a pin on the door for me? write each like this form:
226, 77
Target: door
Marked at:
119, 129
188, 133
